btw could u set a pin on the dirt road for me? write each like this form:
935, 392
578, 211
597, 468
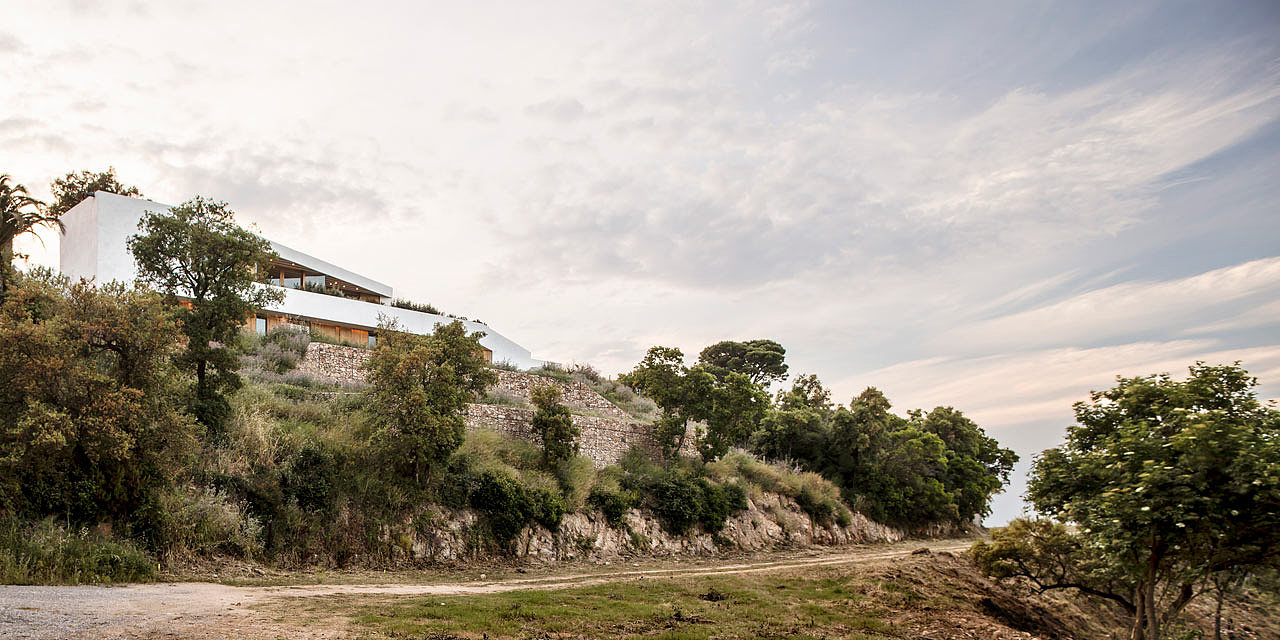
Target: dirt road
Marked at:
206, 611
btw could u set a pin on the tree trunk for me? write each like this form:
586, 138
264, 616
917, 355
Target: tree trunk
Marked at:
1217, 617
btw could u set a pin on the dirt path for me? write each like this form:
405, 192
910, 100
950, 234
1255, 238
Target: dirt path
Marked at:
206, 611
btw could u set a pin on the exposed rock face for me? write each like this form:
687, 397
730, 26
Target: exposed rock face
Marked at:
605, 436
449, 536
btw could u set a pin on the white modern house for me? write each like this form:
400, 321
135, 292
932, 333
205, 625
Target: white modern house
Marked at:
95, 247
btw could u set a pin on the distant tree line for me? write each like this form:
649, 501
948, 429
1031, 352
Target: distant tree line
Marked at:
921, 469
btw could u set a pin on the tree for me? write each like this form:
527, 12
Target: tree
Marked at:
762, 361
19, 214
553, 422
90, 429
419, 388
71, 189
196, 253
1169, 484
730, 407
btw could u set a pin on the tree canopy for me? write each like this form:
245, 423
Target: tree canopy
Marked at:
1168, 483
89, 425
419, 387
761, 361
71, 189
729, 406
195, 252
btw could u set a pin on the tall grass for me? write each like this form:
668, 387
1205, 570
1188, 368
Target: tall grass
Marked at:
45, 552
815, 494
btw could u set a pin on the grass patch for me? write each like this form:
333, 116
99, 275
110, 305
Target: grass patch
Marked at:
744, 606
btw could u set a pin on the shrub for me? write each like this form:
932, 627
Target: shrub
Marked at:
46, 553
613, 503
504, 503
415, 306
547, 508
206, 522
311, 479
678, 502
283, 348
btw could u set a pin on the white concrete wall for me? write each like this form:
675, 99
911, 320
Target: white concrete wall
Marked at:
78, 249
95, 246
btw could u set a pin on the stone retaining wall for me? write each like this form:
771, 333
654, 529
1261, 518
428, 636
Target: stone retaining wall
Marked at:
604, 438
334, 362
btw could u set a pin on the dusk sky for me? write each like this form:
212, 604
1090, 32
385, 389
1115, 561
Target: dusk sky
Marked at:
994, 206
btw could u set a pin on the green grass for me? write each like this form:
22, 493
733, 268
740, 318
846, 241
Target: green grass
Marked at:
47, 553
742, 606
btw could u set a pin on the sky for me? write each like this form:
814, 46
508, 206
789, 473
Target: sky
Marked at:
996, 206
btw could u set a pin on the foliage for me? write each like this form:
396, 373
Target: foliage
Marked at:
69, 190
729, 406
554, 424
1169, 484
282, 348
419, 388
197, 252
930, 467
45, 553
761, 361
402, 303
504, 502
315, 287
19, 214
89, 426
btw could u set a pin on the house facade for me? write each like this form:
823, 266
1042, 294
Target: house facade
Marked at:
339, 304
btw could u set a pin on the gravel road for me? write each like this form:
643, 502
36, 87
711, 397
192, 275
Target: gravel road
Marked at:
206, 611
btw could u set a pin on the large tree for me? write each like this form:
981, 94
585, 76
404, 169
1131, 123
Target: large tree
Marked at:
728, 407
19, 214
198, 256
71, 189
1168, 484
419, 387
763, 361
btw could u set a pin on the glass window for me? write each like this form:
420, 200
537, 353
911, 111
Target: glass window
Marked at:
292, 279
315, 280
373, 340
275, 281
260, 325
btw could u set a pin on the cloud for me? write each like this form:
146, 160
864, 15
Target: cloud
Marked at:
1010, 389
563, 110
1134, 307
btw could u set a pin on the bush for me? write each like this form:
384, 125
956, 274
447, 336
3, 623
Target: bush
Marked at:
205, 522
415, 306
678, 503
613, 503
46, 553
283, 348
504, 503
547, 508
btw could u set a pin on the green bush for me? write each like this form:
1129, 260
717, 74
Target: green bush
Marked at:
613, 503
46, 553
504, 503
678, 502
311, 478
547, 508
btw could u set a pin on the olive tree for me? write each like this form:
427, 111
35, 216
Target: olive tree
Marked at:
1169, 485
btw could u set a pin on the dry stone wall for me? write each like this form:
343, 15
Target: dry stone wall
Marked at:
605, 436
604, 440
334, 362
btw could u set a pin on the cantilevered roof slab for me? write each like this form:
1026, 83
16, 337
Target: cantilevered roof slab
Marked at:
330, 269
